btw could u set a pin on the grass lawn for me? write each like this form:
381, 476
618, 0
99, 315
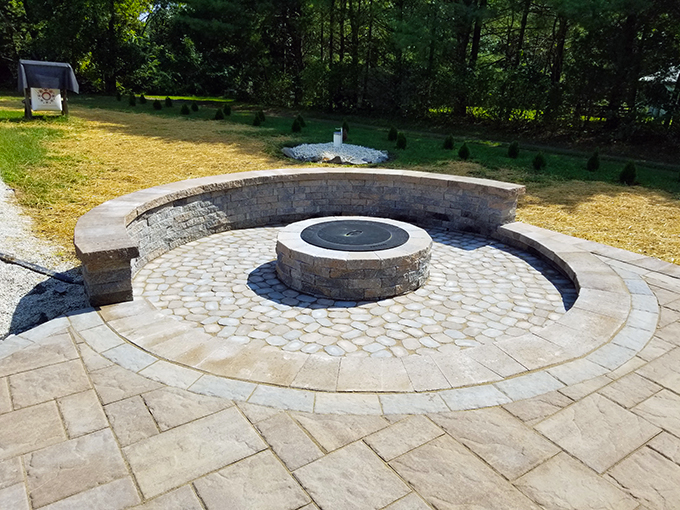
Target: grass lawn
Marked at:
61, 168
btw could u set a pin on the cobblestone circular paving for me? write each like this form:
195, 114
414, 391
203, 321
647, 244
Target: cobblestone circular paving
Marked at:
479, 291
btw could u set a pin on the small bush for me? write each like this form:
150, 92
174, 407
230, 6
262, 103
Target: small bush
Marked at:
539, 162
392, 134
513, 150
227, 110
301, 121
448, 143
345, 126
168, 102
464, 152
132, 100
142, 99
257, 121
185, 110
157, 105
628, 175
219, 115
594, 161
119, 96
296, 127
401, 141
260, 116
194, 106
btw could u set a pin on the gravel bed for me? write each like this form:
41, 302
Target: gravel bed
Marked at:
28, 298
328, 152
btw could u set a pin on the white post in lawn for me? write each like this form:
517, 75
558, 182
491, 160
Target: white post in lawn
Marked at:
337, 138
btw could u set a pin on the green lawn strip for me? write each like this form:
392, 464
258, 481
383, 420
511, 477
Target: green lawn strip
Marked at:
423, 149
23, 148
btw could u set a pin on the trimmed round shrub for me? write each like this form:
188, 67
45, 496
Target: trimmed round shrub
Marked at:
119, 96
594, 161
464, 152
296, 127
539, 162
157, 105
301, 121
448, 143
345, 126
194, 106
185, 110
392, 134
168, 102
142, 99
513, 150
219, 115
227, 109
257, 121
132, 99
628, 175
401, 141
260, 116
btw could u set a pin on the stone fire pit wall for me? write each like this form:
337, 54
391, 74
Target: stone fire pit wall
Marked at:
116, 239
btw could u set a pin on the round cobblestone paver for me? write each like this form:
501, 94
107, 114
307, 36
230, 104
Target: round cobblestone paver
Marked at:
479, 291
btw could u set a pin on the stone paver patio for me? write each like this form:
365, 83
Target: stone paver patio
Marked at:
94, 416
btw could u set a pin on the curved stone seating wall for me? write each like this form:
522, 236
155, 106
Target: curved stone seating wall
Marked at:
117, 238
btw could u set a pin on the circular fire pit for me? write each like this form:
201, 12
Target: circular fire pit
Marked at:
353, 258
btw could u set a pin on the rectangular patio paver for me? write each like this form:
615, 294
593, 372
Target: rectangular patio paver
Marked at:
663, 410
597, 431
565, 484
293, 446
333, 431
259, 482
130, 420
115, 383
347, 480
14, 497
183, 498
50, 351
173, 458
30, 429
651, 478
450, 477
82, 413
117, 495
499, 438
74, 466
46, 383
630, 390
403, 436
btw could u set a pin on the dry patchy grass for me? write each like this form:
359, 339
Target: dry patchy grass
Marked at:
112, 153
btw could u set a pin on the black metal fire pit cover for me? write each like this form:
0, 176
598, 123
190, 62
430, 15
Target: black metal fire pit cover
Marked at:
354, 235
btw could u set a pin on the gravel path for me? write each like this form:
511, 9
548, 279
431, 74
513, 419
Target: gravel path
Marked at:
28, 298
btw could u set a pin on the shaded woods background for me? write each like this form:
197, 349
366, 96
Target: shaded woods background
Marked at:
556, 62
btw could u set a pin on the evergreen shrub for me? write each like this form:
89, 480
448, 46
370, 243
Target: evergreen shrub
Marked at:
219, 115
539, 162
157, 105
401, 141
513, 150
594, 161
168, 102
628, 175
392, 134
185, 110
448, 143
194, 106
227, 110
132, 100
142, 99
301, 121
296, 128
464, 152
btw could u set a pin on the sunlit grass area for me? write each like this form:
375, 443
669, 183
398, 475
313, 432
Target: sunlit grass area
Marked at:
63, 167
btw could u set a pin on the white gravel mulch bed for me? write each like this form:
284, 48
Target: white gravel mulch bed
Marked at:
329, 152
28, 298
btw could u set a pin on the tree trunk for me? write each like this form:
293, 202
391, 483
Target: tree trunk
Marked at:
624, 57
522, 32
477, 34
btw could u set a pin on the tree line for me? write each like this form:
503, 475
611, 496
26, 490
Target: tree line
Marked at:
562, 62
